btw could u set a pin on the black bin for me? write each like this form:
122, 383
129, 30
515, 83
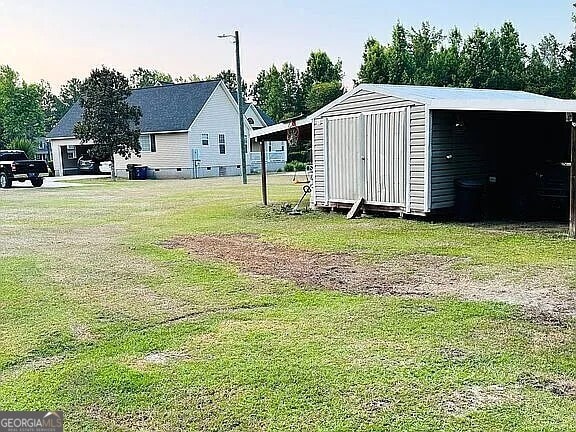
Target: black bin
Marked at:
469, 197
131, 171
140, 172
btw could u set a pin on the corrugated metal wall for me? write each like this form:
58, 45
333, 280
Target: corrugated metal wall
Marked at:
366, 157
386, 158
455, 154
318, 161
344, 152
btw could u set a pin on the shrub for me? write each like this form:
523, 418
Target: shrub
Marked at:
295, 166
27, 146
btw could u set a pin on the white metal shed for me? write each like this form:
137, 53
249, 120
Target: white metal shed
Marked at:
402, 147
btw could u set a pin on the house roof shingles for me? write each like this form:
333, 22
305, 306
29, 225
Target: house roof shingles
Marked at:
164, 108
267, 119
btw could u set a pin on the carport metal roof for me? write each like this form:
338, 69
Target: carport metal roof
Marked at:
438, 98
464, 99
278, 131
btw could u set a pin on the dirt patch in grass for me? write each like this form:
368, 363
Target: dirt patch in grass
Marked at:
559, 386
30, 365
454, 354
464, 401
160, 359
545, 295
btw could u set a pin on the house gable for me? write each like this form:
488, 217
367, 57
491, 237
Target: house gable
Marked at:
219, 116
252, 113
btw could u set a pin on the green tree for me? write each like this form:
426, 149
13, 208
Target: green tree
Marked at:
424, 44
268, 93
189, 79
292, 91
320, 68
375, 63
568, 68
399, 57
142, 77
230, 81
538, 77
445, 63
258, 91
52, 106
544, 68
21, 111
322, 94
108, 120
279, 92
388, 64
70, 92
476, 62
508, 59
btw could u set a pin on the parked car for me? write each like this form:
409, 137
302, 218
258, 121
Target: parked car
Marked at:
86, 165
15, 165
106, 167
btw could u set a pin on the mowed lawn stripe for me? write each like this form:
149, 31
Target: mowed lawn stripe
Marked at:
260, 353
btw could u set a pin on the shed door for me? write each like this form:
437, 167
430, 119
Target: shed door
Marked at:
386, 151
345, 150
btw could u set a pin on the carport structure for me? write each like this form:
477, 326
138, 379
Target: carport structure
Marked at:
402, 149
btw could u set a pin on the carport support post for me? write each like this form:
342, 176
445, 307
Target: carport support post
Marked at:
573, 177
263, 171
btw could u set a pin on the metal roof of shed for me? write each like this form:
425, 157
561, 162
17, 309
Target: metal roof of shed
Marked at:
446, 98
464, 99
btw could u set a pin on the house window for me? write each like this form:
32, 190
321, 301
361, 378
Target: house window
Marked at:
269, 147
222, 143
153, 143
282, 147
250, 120
71, 152
204, 139
145, 143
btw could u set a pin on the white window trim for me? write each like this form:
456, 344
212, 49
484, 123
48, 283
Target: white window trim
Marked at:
202, 135
71, 150
147, 138
220, 144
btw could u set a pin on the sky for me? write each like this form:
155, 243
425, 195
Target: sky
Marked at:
60, 39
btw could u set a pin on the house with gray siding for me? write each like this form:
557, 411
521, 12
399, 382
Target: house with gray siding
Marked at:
188, 130
403, 149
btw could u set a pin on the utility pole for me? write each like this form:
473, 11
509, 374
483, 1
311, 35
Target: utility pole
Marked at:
572, 232
240, 98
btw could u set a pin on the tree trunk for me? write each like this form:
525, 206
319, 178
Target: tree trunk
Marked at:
112, 169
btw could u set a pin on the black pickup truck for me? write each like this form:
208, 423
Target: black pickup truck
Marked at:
15, 165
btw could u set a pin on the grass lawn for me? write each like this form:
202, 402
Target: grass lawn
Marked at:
99, 320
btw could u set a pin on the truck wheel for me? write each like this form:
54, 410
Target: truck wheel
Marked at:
5, 182
37, 182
